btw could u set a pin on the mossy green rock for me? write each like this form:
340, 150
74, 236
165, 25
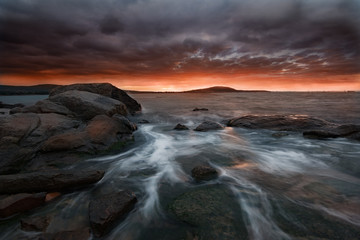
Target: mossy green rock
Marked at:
213, 211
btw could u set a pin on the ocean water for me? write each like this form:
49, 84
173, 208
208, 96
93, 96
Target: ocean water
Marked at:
283, 188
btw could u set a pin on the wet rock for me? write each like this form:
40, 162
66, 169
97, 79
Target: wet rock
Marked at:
143, 121
50, 181
77, 234
200, 109
104, 89
209, 125
280, 134
320, 134
180, 127
302, 222
124, 125
43, 106
12, 157
87, 105
280, 122
12, 204
213, 211
106, 210
37, 224
204, 173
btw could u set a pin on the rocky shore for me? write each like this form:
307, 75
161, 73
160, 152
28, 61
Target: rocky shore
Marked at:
40, 144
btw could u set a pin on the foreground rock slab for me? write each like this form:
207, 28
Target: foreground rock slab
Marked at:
204, 173
209, 125
106, 210
55, 180
77, 234
12, 204
213, 210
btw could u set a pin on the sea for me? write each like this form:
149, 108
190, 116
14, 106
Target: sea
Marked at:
287, 187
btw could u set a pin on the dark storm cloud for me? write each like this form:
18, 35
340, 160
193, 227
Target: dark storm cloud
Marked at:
143, 37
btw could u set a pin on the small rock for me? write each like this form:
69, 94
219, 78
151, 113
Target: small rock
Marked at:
11, 204
200, 109
204, 173
180, 127
279, 134
37, 224
209, 125
107, 209
143, 121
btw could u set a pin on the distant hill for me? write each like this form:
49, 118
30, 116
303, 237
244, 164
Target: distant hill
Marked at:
27, 90
220, 89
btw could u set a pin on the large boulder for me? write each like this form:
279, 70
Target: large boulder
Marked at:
54, 180
106, 210
209, 125
12, 204
213, 210
43, 106
280, 122
50, 124
18, 126
65, 141
87, 105
105, 89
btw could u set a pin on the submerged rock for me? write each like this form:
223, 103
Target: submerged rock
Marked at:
200, 109
204, 173
106, 210
180, 127
87, 105
143, 121
320, 134
280, 134
12, 204
4, 105
37, 224
209, 125
213, 210
104, 89
55, 180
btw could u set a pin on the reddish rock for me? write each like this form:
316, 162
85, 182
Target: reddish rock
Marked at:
12, 204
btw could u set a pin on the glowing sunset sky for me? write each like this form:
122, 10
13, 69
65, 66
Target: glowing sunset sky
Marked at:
182, 44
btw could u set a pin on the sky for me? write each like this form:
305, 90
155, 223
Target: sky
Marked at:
163, 45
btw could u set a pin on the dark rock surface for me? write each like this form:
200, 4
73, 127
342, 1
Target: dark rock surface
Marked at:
104, 89
209, 125
279, 122
200, 109
204, 173
87, 105
77, 234
56, 180
213, 211
180, 127
12, 204
143, 121
4, 105
43, 106
36, 224
310, 126
108, 209
280, 134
